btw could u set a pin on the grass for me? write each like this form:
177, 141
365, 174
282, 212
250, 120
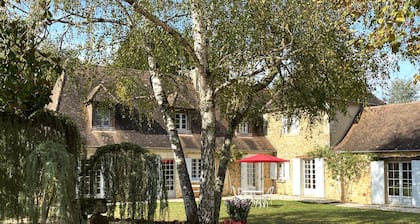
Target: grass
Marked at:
301, 212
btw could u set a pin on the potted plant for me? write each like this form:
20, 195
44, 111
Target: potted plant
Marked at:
238, 210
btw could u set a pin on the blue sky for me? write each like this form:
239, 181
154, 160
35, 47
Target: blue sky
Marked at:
406, 72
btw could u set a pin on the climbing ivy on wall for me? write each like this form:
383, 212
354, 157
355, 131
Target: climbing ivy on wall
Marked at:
134, 180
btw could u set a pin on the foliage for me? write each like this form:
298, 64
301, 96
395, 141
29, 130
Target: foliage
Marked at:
346, 167
19, 137
237, 208
49, 176
385, 25
27, 74
133, 178
387, 22
249, 57
402, 91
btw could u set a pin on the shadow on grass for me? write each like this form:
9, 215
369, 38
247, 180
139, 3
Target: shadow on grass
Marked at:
304, 212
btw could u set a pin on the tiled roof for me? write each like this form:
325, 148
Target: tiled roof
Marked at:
188, 141
76, 89
394, 127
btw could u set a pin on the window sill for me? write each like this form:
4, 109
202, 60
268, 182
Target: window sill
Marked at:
184, 131
98, 129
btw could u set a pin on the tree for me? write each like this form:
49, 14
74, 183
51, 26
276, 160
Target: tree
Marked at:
144, 182
386, 25
250, 57
27, 75
49, 174
402, 91
345, 167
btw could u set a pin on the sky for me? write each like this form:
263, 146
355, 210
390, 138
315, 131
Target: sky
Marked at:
406, 72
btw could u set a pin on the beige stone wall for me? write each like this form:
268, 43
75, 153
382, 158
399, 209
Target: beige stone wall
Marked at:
288, 147
358, 191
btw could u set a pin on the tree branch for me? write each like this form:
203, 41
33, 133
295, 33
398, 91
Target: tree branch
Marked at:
171, 31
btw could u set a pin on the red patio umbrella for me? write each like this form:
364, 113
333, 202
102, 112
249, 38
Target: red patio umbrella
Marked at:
262, 158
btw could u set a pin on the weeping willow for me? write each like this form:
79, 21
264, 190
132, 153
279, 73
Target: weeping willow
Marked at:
134, 181
23, 139
49, 175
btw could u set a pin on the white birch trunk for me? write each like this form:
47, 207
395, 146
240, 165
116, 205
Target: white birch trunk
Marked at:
208, 120
186, 188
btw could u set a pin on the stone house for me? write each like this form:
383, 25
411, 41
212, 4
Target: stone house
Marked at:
91, 96
294, 138
391, 133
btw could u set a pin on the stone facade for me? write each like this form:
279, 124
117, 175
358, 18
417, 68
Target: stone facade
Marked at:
311, 135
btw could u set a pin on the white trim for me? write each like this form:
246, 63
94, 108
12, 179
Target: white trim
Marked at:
415, 174
320, 179
273, 171
296, 182
377, 174
286, 170
244, 175
188, 163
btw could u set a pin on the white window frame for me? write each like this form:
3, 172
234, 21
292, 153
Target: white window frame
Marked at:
196, 169
94, 183
283, 170
290, 125
243, 128
181, 123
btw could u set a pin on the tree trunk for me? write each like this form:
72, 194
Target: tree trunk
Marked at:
207, 111
221, 173
186, 188
343, 189
208, 152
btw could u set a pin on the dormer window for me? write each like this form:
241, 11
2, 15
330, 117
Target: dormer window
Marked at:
101, 117
243, 128
181, 122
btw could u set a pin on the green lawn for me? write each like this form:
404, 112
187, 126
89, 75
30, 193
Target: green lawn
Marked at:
300, 212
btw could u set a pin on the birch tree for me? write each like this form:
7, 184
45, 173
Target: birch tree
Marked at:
250, 57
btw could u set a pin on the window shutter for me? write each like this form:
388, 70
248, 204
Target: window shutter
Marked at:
415, 174
319, 174
273, 171
244, 181
260, 176
189, 166
296, 176
377, 182
286, 168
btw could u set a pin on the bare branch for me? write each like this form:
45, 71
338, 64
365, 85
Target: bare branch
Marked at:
174, 17
89, 21
124, 9
171, 31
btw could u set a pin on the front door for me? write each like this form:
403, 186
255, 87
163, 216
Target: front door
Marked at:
168, 171
399, 183
309, 177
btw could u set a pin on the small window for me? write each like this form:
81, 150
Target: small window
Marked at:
243, 128
196, 169
283, 171
181, 122
102, 117
290, 125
